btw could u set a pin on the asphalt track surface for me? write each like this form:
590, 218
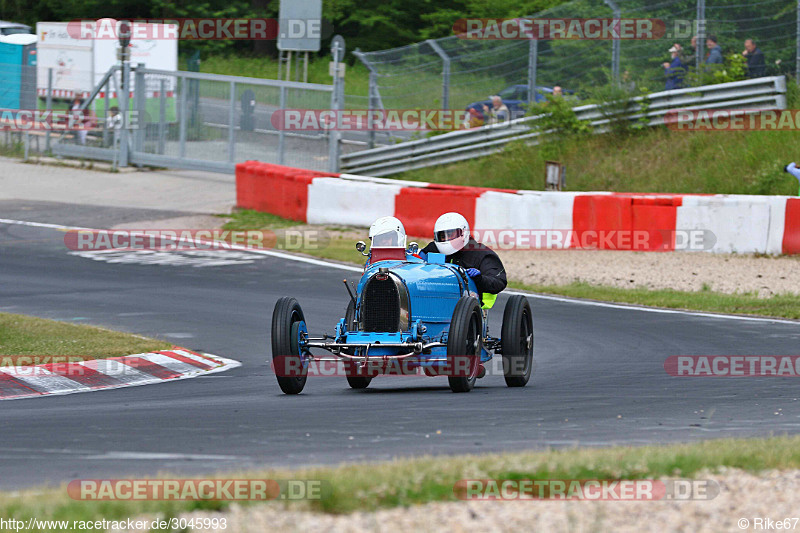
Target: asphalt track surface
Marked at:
599, 379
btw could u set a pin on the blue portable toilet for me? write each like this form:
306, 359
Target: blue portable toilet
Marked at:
18, 71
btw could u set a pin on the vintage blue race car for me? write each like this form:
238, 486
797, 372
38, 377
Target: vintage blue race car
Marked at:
411, 316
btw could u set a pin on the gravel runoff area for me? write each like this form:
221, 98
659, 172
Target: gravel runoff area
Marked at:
684, 271
771, 495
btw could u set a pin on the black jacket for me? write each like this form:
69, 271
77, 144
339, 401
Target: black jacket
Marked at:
475, 255
756, 66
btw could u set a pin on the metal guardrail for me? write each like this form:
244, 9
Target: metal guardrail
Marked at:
759, 93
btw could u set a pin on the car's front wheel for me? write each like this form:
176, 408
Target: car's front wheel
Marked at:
288, 324
464, 345
354, 379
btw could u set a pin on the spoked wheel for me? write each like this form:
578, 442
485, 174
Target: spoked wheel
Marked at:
288, 324
464, 344
354, 379
517, 341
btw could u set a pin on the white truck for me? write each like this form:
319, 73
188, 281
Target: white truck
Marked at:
80, 60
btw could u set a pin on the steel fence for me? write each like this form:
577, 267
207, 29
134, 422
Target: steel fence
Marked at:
202, 121
756, 94
454, 72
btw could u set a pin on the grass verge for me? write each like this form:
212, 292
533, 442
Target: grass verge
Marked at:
367, 487
341, 248
782, 305
31, 336
654, 160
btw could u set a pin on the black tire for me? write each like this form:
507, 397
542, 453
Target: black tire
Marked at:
350, 316
517, 341
286, 318
355, 381
464, 344
358, 382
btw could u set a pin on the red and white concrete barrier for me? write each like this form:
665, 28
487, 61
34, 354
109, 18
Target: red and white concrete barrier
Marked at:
730, 223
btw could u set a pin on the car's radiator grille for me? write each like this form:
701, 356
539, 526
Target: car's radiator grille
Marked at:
381, 306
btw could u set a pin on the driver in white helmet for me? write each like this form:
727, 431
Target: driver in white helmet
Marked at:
387, 232
451, 238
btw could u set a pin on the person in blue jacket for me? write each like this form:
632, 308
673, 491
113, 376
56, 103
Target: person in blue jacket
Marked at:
675, 70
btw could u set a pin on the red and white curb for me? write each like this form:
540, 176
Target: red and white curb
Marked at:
112, 373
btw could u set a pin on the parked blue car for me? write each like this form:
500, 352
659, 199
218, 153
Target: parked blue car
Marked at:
515, 97
410, 314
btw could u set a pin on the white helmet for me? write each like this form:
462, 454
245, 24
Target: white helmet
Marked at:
450, 233
387, 232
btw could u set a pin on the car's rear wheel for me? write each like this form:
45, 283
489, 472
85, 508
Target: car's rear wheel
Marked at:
464, 345
288, 324
517, 341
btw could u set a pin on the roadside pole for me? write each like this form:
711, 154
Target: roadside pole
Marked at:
125, 86
337, 101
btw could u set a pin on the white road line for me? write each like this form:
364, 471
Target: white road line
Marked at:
324, 263
162, 456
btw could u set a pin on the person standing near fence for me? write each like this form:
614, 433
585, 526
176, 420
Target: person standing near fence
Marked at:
498, 112
674, 69
79, 120
114, 124
756, 65
714, 56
